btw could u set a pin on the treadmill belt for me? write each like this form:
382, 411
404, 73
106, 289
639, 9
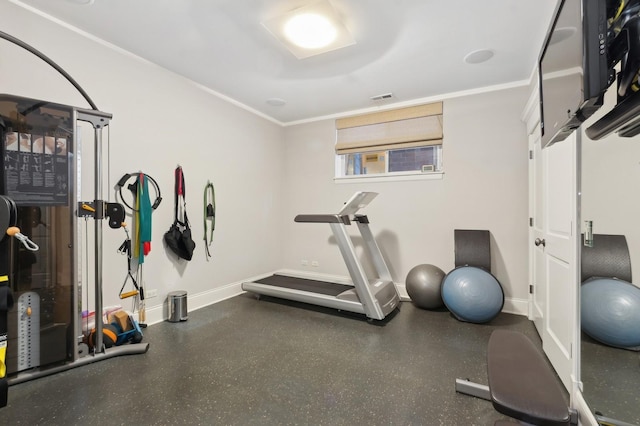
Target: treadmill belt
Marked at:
314, 286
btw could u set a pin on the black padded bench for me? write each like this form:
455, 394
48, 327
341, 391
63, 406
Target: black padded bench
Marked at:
522, 384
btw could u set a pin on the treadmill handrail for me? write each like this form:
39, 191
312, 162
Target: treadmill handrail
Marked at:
323, 218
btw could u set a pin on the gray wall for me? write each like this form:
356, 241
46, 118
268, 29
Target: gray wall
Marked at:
485, 186
265, 174
161, 120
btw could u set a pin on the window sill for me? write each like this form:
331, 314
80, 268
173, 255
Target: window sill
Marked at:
389, 177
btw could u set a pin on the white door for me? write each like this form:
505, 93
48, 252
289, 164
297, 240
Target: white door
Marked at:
554, 243
536, 231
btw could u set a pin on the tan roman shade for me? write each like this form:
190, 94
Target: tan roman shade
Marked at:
395, 129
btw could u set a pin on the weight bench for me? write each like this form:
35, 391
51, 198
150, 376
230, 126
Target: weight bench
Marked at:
522, 384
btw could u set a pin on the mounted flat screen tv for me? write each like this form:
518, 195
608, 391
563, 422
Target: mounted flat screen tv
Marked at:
573, 68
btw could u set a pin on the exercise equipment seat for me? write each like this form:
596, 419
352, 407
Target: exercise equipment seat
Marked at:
521, 382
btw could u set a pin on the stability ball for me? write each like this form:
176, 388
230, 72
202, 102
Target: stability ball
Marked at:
610, 312
472, 294
424, 286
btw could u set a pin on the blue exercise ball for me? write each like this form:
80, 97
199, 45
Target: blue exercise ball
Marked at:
424, 284
610, 312
472, 294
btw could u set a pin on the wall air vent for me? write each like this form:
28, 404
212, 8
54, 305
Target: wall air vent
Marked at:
382, 97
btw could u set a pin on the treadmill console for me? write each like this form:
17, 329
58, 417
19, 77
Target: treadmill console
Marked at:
358, 201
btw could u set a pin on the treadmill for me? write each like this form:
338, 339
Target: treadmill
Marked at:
376, 298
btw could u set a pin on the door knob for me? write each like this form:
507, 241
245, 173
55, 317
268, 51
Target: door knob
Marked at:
539, 242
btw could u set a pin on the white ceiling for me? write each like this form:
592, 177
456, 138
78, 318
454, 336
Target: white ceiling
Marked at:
411, 48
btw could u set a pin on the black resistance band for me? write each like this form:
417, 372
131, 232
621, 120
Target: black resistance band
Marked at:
132, 188
209, 216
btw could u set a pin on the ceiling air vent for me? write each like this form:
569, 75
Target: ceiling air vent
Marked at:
382, 97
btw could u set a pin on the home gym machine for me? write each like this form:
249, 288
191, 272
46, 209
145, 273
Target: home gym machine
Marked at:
376, 298
41, 163
7, 220
40, 157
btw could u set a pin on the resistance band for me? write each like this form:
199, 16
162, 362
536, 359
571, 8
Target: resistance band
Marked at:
142, 218
140, 246
5, 305
3, 353
125, 248
209, 216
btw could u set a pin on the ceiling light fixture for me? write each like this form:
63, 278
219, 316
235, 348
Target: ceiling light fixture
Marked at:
310, 30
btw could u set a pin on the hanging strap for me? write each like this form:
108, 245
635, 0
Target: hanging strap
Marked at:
125, 248
209, 216
177, 190
181, 191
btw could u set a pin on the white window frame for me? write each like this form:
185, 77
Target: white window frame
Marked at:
387, 176
421, 130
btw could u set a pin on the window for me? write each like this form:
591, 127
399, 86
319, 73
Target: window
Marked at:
397, 142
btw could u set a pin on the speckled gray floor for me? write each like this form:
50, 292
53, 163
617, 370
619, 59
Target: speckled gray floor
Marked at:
250, 362
611, 380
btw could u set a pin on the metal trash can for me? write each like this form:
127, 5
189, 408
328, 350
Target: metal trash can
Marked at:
177, 306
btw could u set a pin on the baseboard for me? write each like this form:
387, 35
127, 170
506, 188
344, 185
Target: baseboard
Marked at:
160, 313
516, 306
402, 290
585, 415
511, 305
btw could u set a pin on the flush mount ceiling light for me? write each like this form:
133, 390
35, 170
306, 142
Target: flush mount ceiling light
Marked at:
479, 56
310, 30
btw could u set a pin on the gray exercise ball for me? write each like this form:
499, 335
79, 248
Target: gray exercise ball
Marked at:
424, 286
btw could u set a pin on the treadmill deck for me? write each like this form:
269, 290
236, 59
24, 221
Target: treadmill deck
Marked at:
313, 286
